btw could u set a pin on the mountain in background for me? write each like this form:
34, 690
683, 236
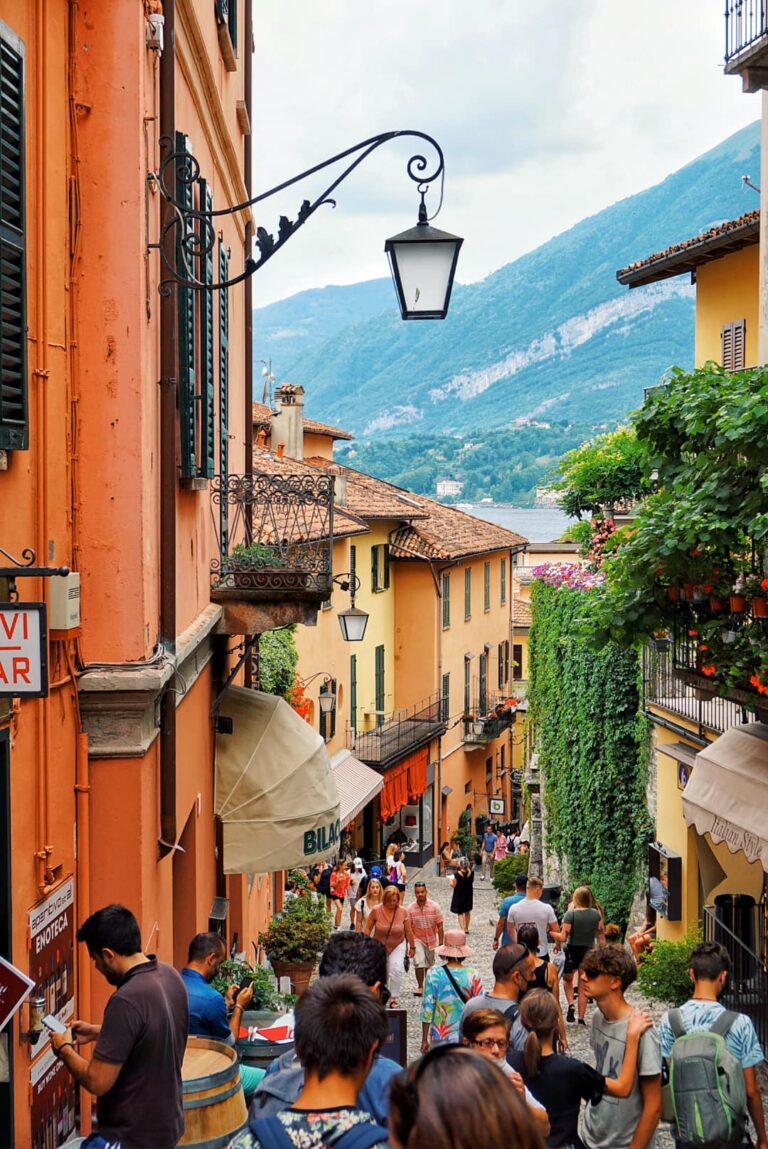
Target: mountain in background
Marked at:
550, 336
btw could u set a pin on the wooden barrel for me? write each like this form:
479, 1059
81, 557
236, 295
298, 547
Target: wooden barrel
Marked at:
214, 1102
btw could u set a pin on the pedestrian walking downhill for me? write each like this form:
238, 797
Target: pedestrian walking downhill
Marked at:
447, 989
426, 919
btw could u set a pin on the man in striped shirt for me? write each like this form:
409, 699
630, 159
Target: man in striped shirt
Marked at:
426, 919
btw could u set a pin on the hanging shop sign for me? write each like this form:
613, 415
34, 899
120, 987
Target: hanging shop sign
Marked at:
498, 806
23, 650
51, 966
15, 988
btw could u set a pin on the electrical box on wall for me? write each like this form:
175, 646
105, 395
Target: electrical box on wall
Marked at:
64, 602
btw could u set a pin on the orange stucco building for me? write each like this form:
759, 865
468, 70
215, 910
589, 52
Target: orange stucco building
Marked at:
124, 425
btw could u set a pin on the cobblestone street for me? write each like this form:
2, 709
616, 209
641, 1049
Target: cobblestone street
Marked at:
480, 938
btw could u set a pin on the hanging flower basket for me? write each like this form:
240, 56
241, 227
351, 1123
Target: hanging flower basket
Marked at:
737, 603
760, 606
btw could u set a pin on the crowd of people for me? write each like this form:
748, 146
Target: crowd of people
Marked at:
495, 1066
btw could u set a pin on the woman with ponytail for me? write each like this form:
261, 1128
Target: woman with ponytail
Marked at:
561, 1083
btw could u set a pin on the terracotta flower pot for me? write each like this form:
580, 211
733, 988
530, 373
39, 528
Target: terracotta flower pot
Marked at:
689, 589
737, 603
717, 604
300, 975
760, 607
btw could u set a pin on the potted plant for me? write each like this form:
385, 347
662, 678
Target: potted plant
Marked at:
294, 939
756, 588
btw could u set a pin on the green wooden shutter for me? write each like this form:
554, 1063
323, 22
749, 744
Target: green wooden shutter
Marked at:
379, 683
14, 419
332, 716
207, 369
467, 698
322, 718
353, 691
375, 569
501, 665
487, 586
446, 600
503, 594
223, 396
468, 593
483, 701
385, 553
506, 660
445, 697
188, 414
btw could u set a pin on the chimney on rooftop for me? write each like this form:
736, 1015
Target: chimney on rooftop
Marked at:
288, 420
339, 486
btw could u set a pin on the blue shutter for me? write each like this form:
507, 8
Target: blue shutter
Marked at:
14, 423
223, 396
207, 382
187, 339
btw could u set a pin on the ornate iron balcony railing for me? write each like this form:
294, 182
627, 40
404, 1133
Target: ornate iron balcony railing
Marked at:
400, 735
667, 686
487, 719
746, 23
274, 535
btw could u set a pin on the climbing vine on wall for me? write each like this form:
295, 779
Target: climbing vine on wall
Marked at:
592, 746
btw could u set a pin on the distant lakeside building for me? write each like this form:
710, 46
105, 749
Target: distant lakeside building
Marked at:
448, 488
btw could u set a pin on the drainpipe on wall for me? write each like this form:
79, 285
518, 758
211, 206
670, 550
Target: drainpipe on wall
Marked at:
762, 331
168, 478
248, 292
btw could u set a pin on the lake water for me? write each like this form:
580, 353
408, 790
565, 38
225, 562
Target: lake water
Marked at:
537, 524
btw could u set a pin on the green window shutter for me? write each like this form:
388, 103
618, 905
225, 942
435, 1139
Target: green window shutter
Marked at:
445, 697
188, 414
207, 381
375, 569
223, 396
14, 416
379, 683
501, 665
483, 701
322, 718
468, 593
467, 698
503, 572
446, 600
506, 660
487, 586
385, 554
332, 715
353, 691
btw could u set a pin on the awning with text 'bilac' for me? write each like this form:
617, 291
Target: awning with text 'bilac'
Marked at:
275, 791
727, 793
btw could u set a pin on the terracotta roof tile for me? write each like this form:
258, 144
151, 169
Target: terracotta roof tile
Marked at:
521, 612
262, 418
717, 241
433, 531
267, 462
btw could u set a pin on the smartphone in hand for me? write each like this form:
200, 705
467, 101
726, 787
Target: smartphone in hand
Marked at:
53, 1024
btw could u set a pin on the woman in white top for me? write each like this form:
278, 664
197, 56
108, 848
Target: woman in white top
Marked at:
373, 897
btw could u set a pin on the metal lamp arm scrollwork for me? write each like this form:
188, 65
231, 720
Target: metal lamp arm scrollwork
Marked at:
195, 227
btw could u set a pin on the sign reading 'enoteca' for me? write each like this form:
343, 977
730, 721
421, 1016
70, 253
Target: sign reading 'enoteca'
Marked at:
23, 650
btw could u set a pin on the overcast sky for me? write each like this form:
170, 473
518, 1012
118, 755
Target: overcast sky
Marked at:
547, 111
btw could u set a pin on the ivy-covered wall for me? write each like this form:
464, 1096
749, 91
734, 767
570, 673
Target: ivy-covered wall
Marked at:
592, 746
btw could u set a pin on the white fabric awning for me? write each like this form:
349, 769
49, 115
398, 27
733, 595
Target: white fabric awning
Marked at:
356, 783
275, 790
727, 793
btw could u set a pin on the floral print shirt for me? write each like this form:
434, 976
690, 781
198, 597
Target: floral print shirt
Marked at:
441, 1006
308, 1130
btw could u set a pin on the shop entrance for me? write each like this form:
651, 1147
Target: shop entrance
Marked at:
6, 1044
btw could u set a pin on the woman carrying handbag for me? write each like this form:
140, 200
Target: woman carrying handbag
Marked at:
389, 924
447, 989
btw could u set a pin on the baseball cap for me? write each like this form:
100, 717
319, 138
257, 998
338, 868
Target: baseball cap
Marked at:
375, 871
358, 863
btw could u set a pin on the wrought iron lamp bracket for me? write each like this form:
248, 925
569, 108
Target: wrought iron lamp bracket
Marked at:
188, 234
24, 568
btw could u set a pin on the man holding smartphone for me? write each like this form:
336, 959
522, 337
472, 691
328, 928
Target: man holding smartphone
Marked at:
207, 1007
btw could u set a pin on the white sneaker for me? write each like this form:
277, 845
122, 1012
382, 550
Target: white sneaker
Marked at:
482, 877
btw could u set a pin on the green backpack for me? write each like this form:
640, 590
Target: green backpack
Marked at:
705, 1096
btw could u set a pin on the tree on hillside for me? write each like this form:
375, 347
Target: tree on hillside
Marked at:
607, 470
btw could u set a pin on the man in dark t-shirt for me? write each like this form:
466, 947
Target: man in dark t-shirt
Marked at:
135, 1070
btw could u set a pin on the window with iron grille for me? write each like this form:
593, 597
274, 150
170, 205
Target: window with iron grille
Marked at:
487, 587
467, 593
14, 419
503, 583
379, 684
446, 601
733, 337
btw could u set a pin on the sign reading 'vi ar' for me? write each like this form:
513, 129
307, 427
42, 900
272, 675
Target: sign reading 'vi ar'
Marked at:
23, 650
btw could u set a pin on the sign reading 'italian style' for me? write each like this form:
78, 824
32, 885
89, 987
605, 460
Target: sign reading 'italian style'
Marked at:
23, 650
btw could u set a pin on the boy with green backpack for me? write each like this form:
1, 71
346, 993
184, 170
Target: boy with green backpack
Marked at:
711, 1055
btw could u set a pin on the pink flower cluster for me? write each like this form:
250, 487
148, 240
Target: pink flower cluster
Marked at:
570, 575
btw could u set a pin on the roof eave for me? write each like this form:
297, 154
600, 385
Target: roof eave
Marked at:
689, 258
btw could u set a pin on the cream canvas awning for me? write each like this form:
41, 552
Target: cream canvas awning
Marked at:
275, 790
727, 793
356, 783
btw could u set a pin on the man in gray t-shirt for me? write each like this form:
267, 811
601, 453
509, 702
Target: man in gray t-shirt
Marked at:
629, 1122
513, 968
532, 911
